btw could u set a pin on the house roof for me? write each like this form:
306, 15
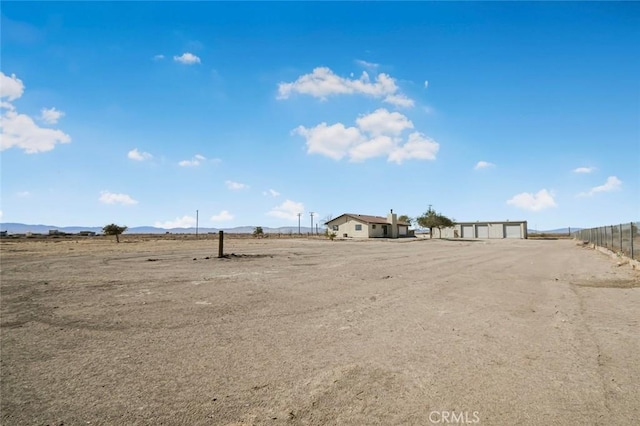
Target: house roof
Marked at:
368, 219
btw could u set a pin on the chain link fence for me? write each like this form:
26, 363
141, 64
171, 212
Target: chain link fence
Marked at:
623, 238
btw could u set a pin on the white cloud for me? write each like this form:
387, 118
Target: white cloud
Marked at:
418, 147
365, 64
195, 161
426, 84
51, 115
383, 122
378, 134
107, 197
332, 141
20, 130
584, 170
187, 58
376, 147
288, 210
1, 214
179, 222
323, 82
223, 216
235, 186
612, 184
136, 155
158, 57
543, 199
400, 100
483, 165
24, 194
10, 87
271, 192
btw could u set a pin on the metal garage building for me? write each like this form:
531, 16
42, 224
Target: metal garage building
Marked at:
485, 230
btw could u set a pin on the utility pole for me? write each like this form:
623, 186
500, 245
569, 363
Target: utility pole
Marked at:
311, 213
196, 224
299, 214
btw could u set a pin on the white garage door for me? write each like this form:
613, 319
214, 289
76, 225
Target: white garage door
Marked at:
512, 231
467, 231
402, 230
482, 231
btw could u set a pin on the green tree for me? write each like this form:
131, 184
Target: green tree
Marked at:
113, 229
405, 218
432, 219
258, 232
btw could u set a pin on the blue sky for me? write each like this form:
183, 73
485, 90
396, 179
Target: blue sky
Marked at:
142, 113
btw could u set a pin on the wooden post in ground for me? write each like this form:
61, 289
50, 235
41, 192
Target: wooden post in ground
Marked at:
631, 238
221, 244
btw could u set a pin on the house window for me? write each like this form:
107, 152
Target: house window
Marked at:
373, 227
335, 227
358, 227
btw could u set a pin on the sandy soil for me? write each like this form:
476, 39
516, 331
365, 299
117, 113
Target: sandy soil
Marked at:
310, 332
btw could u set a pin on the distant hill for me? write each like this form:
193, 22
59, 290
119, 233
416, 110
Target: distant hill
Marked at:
554, 231
562, 230
22, 228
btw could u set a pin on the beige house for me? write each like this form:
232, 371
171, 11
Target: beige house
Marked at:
363, 226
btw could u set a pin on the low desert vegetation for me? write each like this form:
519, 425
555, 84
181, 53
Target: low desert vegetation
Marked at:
330, 234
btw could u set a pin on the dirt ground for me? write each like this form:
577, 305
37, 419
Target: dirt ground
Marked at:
314, 332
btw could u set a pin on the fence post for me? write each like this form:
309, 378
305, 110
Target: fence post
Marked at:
620, 228
221, 245
612, 246
631, 240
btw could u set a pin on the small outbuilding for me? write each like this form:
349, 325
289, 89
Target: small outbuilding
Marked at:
485, 230
350, 225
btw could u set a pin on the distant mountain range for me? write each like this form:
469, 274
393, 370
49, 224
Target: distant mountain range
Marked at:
554, 231
22, 228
